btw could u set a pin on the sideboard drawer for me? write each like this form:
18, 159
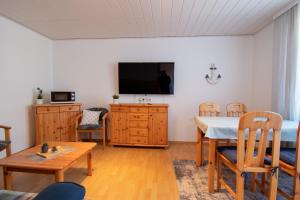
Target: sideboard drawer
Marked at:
138, 116
47, 109
138, 109
138, 124
69, 108
119, 109
158, 109
138, 140
138, 132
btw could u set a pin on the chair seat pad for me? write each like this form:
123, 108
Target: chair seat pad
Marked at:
90, 127
3, 144
287, 155
231, 154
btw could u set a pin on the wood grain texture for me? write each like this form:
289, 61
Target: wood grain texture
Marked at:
56, 122
119, 173
22, 162
252, 160
139, 124
235, 109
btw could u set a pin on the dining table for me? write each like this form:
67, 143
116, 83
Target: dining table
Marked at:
225, 128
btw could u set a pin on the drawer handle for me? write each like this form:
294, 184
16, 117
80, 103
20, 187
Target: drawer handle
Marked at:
70, 108
48, 109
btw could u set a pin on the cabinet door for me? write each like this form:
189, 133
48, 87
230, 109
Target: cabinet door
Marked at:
48, 127
118, 128
114, 127
123, 128
158, 129
67, 122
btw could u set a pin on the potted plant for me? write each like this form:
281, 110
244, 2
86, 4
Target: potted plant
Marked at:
39, 98
115, 98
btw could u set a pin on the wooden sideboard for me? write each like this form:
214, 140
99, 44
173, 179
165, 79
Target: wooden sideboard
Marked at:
139, 124
55, 122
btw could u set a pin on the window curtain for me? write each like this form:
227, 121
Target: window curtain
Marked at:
284, 83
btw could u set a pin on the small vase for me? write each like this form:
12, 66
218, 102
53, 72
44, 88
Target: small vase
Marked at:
45, 148
39, 101
115, 101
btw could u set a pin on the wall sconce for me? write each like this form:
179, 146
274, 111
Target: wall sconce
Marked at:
212, 78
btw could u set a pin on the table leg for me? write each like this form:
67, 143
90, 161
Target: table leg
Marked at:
59, 176
199, 148
211, 164
7, 179
89, 163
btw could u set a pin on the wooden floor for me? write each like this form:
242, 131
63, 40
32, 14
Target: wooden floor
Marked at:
120, 173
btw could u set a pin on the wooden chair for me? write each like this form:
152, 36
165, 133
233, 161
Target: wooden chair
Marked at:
101, 128
6, 144
289, 162
235, 109
209, 109
251, 158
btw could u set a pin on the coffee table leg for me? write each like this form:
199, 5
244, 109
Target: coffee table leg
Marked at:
89, 163
59, 176
7, 179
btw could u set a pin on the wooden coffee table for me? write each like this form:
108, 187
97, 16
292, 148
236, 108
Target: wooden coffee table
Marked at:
23, 162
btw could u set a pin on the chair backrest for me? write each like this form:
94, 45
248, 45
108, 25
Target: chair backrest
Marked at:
209, 109
258, 125
235, 109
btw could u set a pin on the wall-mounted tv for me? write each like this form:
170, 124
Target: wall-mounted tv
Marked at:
146, 78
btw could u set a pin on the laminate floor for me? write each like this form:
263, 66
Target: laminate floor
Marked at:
120, 173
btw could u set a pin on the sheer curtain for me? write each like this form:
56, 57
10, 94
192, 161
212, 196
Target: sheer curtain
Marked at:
285, 91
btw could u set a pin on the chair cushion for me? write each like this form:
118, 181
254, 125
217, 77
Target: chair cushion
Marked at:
102, 110
287, 155
3, 144
89, 127
62, 191
230, 153
90, 117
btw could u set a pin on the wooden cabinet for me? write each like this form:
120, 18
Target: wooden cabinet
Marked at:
139, 124
55, 122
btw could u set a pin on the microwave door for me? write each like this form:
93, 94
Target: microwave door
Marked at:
61, 97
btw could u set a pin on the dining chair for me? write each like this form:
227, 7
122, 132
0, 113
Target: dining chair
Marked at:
235, 109
6, 144
209, 109
289, 162
100, 127
250, 157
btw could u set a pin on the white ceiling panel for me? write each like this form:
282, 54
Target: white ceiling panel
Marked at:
70, 19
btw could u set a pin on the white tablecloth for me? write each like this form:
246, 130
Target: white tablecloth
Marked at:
226, 128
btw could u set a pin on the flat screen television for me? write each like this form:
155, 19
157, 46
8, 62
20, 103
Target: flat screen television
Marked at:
146, 78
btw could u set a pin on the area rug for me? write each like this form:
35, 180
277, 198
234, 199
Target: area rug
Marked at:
192, 183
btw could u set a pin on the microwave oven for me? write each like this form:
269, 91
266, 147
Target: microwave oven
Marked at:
62, 97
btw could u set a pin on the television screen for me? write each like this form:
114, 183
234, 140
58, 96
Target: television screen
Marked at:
146, 78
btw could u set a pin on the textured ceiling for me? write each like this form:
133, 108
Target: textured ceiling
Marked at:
68, 19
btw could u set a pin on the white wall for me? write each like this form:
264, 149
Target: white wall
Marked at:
263, 57
25, 63
90, 68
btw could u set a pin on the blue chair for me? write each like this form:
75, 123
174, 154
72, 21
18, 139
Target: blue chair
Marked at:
289, 162
101, 127
246, 158
6, 144
62, 191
